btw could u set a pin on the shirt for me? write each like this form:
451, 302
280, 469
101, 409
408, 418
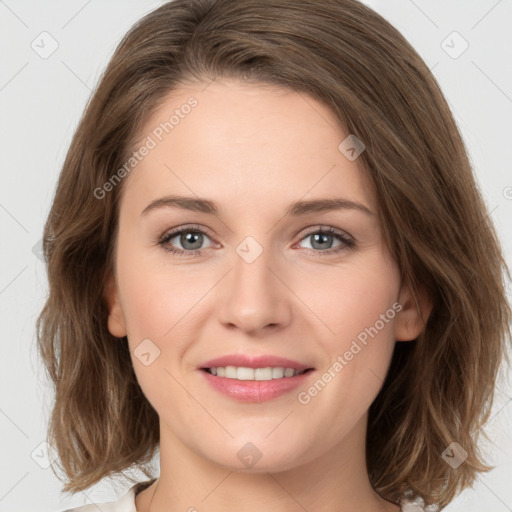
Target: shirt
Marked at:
126, 503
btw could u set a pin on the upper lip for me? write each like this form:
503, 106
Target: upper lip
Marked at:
247, 361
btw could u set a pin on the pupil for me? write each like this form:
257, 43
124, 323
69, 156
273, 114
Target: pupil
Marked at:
191, 238
319, 237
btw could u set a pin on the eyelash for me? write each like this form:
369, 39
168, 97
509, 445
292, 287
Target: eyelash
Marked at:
347, 242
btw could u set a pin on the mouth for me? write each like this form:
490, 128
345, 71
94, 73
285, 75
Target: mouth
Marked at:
244, 373
255, 378
256, 385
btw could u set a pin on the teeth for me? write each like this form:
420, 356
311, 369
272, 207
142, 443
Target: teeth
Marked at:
243, 373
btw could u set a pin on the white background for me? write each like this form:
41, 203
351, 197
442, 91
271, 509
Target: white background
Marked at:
41, 101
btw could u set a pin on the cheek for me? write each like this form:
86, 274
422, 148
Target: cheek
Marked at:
364, 326
352, 297
353, 306
155, 297
156, 304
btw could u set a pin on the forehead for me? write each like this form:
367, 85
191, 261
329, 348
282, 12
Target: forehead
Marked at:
245, 142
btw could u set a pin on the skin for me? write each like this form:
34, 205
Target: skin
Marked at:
253, 149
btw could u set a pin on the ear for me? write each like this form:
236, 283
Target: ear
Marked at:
412, 318
116, 321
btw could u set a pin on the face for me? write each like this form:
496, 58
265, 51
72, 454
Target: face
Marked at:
225, 249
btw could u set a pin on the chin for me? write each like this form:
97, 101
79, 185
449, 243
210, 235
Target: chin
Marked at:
257, 456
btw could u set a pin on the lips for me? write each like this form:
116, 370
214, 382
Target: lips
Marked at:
262, 361
241, 387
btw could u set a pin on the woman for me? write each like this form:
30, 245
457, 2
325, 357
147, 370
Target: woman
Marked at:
193, 309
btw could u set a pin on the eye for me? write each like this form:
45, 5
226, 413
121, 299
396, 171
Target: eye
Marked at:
190, 238
322, 240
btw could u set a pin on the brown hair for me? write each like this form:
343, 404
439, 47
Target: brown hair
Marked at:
439, 387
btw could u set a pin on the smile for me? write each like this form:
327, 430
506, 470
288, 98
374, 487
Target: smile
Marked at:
244, 373
244, 384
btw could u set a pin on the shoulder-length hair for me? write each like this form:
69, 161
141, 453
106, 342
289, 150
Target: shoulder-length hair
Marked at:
439, 388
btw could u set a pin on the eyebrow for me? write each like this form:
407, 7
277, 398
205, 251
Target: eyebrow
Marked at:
296, 208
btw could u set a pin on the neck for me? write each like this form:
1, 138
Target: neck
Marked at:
337, 480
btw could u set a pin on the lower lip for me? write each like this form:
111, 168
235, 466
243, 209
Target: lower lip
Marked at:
255, 390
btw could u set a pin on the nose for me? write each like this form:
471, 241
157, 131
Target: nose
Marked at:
255, 297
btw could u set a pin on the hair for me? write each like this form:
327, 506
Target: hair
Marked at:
440, 386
